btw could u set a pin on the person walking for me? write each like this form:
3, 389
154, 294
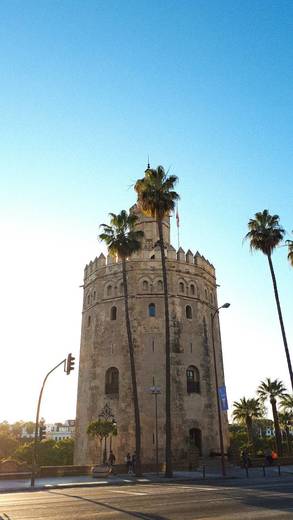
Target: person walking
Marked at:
128, 463
111, 461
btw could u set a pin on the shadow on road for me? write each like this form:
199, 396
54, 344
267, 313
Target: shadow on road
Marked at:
136, 514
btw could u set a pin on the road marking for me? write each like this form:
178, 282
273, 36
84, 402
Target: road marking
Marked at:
129, 492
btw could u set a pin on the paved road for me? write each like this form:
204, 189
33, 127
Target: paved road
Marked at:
233, 501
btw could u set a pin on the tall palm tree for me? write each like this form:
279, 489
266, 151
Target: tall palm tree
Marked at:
264, 234
122, 241
156, 198
273, 390
290, 250
245, 411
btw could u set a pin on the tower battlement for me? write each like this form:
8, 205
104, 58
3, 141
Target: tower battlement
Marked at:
178, 256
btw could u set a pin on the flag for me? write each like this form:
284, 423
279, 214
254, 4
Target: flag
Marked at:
177, 216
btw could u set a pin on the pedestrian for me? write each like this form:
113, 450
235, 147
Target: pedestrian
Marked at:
111, 461
245, 458
268, 457
133, 462
128, 463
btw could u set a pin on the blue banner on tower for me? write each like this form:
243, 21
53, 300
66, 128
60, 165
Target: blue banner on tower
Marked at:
223, 398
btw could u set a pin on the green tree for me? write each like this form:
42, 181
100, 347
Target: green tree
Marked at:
122, 240
8, 445
101, 429
272, 390
63, 452
157, 198
47, 455
264, 234
244, 412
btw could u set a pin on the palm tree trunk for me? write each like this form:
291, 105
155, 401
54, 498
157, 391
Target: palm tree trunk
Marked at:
133, 374
249, 432
277, 428
281, 319
288, 439
168, 453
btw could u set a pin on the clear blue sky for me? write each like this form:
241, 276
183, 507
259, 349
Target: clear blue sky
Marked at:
89, 89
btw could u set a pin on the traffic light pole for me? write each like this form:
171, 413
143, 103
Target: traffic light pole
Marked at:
34, 458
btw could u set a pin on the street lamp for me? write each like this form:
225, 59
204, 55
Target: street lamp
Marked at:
224, 306
156, 390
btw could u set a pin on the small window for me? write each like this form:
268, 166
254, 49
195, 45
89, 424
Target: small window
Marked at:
188, 312
192, 380
89, 321
121, 288
113, 313
109, 290
152, 310
181, 287
89, 298
192, 290
112, 381
94, 295
160, 285
211, 297
206, 294
145, 285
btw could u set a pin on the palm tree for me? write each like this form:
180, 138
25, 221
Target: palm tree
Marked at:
156, 198
285, 419
122, 241
290, 250
286, 403
245, 411
272, 390
265, 233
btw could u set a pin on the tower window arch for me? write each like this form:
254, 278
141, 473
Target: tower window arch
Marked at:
121, 288
211, 297
89, 320
89, 298
109, 290
152, 310
192, 289
145, 285
112, 381
192, 380
188, 312
181, 287
113, 313
206, 294
160, 285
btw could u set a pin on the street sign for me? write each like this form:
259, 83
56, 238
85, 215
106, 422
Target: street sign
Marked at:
154, 389
223, 398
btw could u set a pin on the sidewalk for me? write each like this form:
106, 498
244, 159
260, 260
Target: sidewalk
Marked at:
7, 486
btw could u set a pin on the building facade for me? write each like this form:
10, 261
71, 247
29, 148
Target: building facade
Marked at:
104, 371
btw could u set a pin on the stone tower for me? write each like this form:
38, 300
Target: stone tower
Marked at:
104, 371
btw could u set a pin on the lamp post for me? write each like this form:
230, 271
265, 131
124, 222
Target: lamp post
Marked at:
156, 390
225, 306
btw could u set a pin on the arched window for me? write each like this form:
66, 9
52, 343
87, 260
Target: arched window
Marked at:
181, 287
145, 285
94, 295
211, 297
112, 381
113, 314
89, 321
188, 312
192, 290
88, 298
206, 294
109, 290
160, 285
152, 310
192, 380
121, 288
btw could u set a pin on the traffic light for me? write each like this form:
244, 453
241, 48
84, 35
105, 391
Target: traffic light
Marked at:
42, 432
70, 363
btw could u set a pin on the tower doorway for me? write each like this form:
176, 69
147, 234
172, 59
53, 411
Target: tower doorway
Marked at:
195, 439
